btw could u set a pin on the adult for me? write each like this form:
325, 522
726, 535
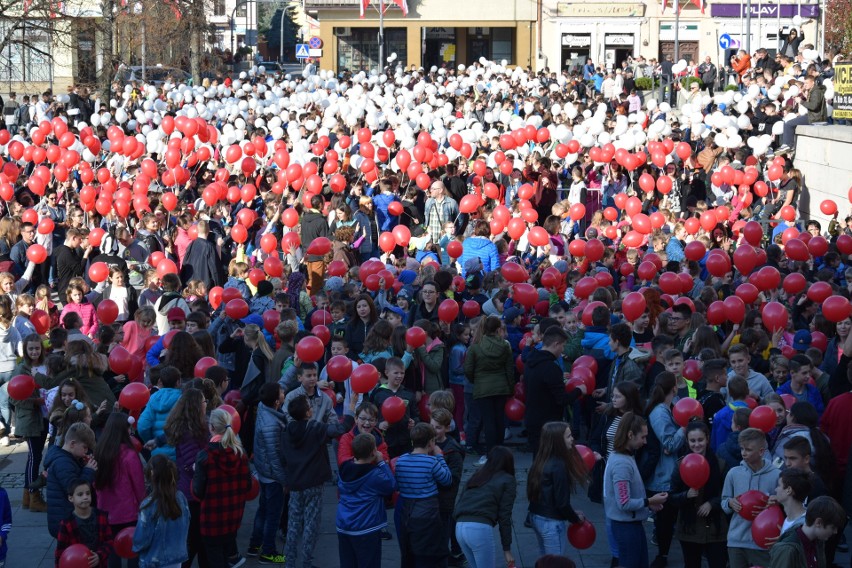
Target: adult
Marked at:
203, 260
314, 226
790, 42
708, 73
427, 307
361, 323
440, 208
812, 98
18, 256
480, 246
490, 366
70, 259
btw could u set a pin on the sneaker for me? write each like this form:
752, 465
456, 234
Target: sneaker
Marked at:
4, 441
253, 551
386, 535
482, 460
236, 561
463, 439
273, 558
507, 434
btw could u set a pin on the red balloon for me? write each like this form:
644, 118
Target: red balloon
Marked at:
448, 310
835, 309
339, 368
766, 527
236, 421
237, 309
582, 535
515, 409
36, 253
75, 556
310, 349
21, 387
753, 233
471, 309
319, 246
762, 418
694, 470
819, 292
695, 251
525, 294
691, 369
748, 292
41, 320
215, 296
134, 396
581, 376
123, 543
393, 409
107, 311
120, 361
734, 309
538, 237
202, 365
364, 378
685, 410
587, 455
716, 313
454, 249
585, 287
794, 283
753, 501
775, 316
513, 272
98, 272
633, 306
585, 361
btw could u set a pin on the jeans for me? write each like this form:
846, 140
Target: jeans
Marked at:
789, 136
613, 546
630, 536
268, 517
472, 421
362, 551
551, 535
716, 553
745, 557
5, 403
491, 408
479, 544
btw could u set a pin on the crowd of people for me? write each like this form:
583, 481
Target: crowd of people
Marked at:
207, 291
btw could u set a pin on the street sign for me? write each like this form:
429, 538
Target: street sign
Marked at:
302, 51
315, 52
842, 90
315, 42
724, 41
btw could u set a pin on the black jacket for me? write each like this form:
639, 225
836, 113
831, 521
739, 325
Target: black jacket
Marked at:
202, 262
454, 456
69, 264
305, 451
314, 225
545, 389
132, 299
554, 500
491, 504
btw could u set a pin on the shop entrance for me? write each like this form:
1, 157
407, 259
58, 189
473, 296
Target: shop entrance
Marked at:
576, 49
439, 47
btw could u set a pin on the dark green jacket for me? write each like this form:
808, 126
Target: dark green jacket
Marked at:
489, 365
29, 422
789, 552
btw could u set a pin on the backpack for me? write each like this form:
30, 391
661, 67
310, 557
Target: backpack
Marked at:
167, 299
649, 456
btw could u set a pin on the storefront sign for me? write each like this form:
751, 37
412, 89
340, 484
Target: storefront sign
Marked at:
765, 10
842, 90
574, 40
619, 39
594, 10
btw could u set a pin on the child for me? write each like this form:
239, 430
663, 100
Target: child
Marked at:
154, 416
729, 452
5, 525
779, 370
740, 359
673, 360
396, 435
441, 421
797, 455
58, 400
363, 485
714, 379
221, 481
152, 291
794, 486
137, 331
237, 274
460, 340
419, 473
77, 303
737, 393
85, 525
160, 536
64, 465
805, 545
30, 421
43, 303
798, 385
308, 468
339, 346
756, 472
444, 240
445, 399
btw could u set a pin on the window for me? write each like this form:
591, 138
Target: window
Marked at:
501, 44
218, 7
25, 62
359, 47
242, 10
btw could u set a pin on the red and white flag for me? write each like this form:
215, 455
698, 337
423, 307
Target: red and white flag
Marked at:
403, 5
364, 5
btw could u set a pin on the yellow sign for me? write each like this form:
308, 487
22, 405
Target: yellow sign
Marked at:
599, 10
842, 102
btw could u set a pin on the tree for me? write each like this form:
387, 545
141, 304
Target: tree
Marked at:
291, 31
838, 26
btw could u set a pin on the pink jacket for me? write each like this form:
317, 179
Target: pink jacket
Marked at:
87, 312
182, 242
122, 499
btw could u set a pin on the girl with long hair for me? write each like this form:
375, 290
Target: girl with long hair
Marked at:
489, 496
557, 469
119, 479
76, 301
87, 367
186, 430
625, 502
137, 331
161, 531
459, 341
702, 526
10, 349
58, 400
30, 422
222, 482
183, 354
363, 320
260, 364
672, 438
377, 344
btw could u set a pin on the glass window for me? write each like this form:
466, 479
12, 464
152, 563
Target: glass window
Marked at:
358, 48
219, 7
241, 11
30, 62
502, 44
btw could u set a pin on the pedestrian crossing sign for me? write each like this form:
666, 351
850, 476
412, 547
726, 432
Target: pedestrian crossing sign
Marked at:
302, 51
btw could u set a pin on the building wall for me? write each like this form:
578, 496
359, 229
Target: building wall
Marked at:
822, 156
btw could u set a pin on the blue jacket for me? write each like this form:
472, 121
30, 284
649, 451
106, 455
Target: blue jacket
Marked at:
457, 353
154, 416
674, 251
362, 488
234, 282
672, 438
811, 395
161, 542
730, 452
62, 468
5, 522
596, 344
268, 457
482, 248
385, 220
722, 424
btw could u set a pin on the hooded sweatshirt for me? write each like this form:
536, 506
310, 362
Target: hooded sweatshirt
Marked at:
153, 418
739, 480
362, 489
305, 452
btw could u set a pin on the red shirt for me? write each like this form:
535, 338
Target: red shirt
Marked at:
837, 425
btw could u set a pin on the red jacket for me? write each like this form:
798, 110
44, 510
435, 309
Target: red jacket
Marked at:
222, 482
69, 534
837, 425
344, 446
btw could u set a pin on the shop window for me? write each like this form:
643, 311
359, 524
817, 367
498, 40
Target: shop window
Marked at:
358, 48
502, 44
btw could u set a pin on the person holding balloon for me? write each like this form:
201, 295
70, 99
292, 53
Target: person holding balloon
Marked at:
77, 303
86, 526
696, 490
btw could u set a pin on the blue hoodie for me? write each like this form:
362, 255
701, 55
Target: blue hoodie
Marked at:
154, 416
739, 480
482, 248
362, 489
385, 220
595, 342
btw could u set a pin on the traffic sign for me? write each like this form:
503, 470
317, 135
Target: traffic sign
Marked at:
724, 41
302, 51
315, 42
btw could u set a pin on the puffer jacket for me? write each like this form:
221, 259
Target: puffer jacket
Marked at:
153, 418
483, 249
187, 451
87, 313
268, 458
489, 365
362, 488
62, 468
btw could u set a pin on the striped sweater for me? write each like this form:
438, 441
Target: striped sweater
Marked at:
419, 475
